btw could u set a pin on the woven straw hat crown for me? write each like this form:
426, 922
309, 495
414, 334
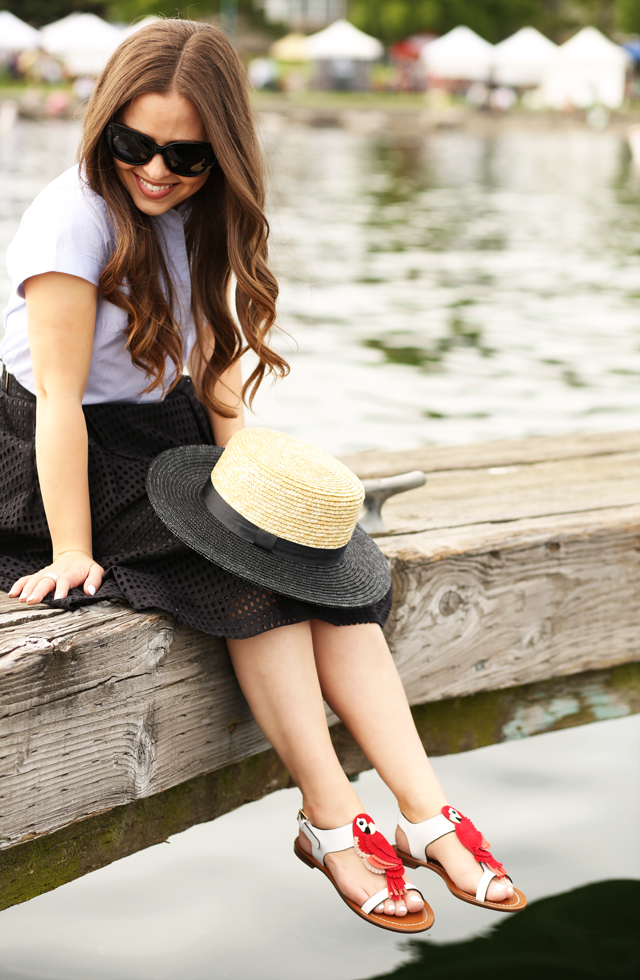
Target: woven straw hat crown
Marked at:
289, 488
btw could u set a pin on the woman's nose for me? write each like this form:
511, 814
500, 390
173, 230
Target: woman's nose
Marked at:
156, 168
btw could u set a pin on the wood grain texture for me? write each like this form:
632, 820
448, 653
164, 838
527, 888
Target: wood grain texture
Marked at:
492, 606
104, 706
500, 579
496, 452
508, 493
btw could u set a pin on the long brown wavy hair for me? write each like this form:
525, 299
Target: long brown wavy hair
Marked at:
226, 230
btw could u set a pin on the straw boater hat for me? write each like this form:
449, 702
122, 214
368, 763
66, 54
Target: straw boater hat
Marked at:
274, 510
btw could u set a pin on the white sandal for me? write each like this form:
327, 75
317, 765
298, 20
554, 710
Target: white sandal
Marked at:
325, 842
420, 835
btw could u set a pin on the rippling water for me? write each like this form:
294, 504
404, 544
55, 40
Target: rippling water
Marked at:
452, 288
441, 288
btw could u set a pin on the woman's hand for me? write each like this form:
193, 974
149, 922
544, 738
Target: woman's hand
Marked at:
70, 569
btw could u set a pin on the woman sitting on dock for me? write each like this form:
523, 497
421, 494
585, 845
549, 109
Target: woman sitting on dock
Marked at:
125, 270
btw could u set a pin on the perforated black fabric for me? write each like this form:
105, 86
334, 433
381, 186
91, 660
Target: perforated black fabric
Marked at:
145, 565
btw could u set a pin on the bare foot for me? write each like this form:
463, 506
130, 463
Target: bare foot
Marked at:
358, 883
459, 863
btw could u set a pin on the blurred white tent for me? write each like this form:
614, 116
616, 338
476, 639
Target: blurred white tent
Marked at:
292, 47
461, 54
521, 60
83, 42
586, 70
342, 41
15, 35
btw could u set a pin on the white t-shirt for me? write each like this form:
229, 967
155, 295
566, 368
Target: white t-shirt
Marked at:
68, 229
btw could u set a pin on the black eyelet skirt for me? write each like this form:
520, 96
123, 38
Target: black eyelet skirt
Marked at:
146, 566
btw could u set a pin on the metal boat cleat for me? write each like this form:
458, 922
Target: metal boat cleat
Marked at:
377, 491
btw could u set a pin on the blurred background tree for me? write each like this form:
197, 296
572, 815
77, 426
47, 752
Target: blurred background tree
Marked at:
628, 16
390, 20
128, 10
39, 12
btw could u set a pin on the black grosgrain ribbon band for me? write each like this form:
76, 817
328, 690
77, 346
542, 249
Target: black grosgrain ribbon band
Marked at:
239, 525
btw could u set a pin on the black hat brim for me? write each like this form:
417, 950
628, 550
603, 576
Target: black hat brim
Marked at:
175, 483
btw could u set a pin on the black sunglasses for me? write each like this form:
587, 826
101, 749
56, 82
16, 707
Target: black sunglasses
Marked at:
185, 159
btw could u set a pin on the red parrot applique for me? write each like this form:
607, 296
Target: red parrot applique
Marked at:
378, 854
473, 840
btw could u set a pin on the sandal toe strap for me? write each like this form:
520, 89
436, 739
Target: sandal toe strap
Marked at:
374, 901
483, 885
382, 896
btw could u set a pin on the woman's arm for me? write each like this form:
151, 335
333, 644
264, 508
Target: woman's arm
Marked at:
61, 312
227, 390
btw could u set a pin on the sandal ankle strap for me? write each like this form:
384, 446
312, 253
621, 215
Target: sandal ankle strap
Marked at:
325, 842
420, 835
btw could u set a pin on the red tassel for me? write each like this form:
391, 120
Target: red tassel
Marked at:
395, 882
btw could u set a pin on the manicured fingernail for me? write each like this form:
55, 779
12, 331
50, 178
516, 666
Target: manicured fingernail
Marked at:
58, 595
91, 589
24, 594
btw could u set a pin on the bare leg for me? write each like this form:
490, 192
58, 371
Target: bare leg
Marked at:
360, 682
277, 673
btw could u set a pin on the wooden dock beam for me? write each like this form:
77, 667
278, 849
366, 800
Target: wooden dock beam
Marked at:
39, 865
515, 575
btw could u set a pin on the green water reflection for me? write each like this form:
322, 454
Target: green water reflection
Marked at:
460, 333
591, 932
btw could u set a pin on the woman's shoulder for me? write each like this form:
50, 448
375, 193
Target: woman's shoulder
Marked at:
66, 229
69, 200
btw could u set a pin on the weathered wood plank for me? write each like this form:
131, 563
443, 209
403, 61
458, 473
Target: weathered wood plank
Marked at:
508, 493
496, 452
45, 863
492, 606
107, 706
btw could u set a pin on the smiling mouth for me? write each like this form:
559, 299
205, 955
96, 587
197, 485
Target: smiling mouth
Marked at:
154, 188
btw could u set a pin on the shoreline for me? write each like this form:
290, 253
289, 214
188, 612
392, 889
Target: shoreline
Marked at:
371, 112
365, 112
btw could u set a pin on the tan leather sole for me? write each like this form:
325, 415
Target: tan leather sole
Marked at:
407, 924
516, 903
